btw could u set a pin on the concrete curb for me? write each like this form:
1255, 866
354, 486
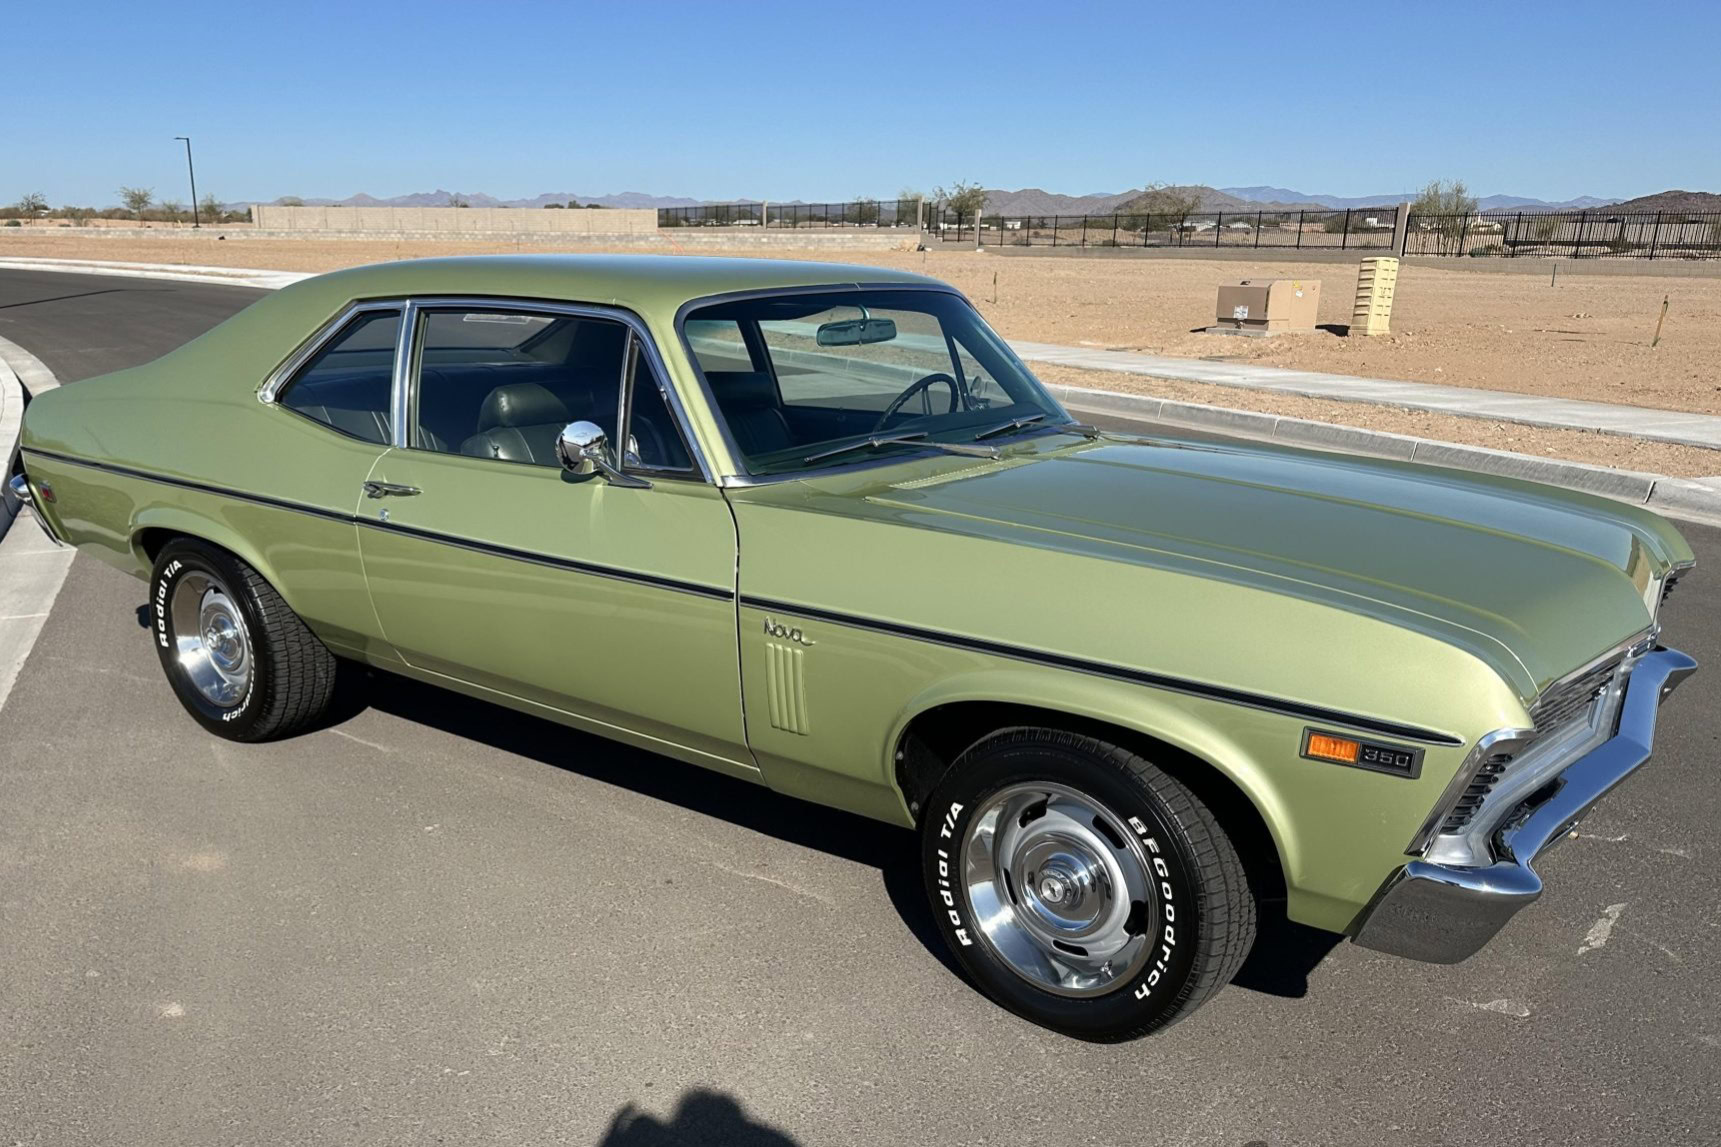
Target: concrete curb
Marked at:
21, 374
1690, 499
32, 568
177, 272
11, 424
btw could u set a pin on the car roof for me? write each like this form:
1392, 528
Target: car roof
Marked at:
656, 284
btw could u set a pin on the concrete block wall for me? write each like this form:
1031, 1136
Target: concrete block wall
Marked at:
457, 220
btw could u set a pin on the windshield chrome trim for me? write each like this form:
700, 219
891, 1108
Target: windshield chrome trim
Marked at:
740, 476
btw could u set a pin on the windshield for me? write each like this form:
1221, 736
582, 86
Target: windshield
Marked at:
822, 379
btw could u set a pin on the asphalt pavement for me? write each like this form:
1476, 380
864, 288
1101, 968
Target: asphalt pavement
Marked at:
440, 921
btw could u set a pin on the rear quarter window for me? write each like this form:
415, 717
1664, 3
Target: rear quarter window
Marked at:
347, 384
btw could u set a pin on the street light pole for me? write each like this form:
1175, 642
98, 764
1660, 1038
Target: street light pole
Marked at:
192, 171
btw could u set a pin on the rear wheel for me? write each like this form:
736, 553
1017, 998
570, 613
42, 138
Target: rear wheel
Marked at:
238, 658
1082, 887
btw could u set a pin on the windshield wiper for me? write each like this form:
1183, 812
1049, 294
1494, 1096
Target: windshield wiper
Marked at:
1080, 428
918, 437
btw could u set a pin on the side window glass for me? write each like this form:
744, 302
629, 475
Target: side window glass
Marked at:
346, 385
502, 384
717, 344
654, 437
981, 388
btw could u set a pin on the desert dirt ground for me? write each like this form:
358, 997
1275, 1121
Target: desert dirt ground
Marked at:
1587, 337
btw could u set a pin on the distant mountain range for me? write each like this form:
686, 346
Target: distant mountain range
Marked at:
1674, 201
1034, 201
1485, 203
441, 198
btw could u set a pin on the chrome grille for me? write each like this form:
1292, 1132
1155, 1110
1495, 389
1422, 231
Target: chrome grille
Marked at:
1571, 699
1475, 792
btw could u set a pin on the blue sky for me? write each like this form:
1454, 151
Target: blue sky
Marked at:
830, 101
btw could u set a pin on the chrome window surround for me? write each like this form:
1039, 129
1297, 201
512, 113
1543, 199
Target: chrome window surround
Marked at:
741, 477
408, 350
270, 392
1538, 756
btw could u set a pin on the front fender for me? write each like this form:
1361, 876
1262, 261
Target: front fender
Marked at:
1338, 831
1168, 717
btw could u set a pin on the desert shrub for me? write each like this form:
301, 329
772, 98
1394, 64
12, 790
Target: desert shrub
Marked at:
13, 223
1485, 250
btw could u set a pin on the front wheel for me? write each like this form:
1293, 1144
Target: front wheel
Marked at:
239, 659
1082, 887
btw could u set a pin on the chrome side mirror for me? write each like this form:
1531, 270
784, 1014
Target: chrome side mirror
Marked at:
584, 449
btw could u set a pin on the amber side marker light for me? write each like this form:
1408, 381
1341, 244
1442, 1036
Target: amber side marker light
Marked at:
1325, 748
1376, 756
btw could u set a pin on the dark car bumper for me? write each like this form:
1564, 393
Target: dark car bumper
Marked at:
1443, 913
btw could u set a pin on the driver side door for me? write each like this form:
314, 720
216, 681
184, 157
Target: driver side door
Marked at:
491, 566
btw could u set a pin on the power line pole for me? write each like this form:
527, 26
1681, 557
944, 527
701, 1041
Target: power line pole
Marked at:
192, 171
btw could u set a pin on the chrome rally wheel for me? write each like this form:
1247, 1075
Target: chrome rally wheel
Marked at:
210, 638
1059, 888
1080, 885
241, 662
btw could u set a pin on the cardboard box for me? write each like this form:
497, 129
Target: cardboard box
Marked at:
1268, 306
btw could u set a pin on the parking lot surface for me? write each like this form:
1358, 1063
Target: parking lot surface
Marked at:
440, 921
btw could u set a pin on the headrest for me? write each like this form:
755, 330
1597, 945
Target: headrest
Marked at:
521, 404
742, 389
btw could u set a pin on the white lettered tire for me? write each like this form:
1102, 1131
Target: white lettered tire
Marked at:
241, 662
1081, 886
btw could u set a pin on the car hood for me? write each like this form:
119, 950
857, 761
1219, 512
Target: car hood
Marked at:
1534, 579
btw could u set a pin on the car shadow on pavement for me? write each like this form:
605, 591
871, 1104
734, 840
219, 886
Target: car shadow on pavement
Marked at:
1284, 955
701, 1117
855, 838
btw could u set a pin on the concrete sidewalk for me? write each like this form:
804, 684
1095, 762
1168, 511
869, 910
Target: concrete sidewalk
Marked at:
1463, 402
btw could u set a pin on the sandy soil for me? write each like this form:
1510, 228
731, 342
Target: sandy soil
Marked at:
1608, 450
1588, 337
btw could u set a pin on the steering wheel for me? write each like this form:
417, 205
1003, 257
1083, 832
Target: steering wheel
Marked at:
919, 386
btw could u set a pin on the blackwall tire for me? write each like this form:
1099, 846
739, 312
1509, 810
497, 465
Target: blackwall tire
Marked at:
1082, 887
241, 662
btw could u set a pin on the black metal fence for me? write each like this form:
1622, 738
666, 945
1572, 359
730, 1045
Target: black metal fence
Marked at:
787, 216
1357, 228
1568, 235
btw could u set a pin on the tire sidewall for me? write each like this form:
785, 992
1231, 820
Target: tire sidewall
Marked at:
175, 562
1154, 989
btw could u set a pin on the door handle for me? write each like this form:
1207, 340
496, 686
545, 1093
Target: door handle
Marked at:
389, 489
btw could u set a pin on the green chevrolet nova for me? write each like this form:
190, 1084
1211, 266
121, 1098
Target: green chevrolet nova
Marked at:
817, 527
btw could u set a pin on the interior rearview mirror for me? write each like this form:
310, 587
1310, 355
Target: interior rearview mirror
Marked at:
854, 332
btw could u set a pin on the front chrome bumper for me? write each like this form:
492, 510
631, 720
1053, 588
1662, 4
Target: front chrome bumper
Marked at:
19, 486
1443, 913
